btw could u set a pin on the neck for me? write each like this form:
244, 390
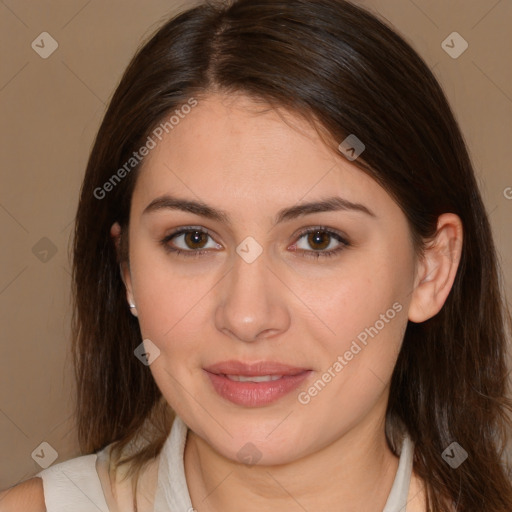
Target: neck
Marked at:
355, 472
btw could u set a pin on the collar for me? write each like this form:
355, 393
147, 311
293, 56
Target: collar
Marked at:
172, 491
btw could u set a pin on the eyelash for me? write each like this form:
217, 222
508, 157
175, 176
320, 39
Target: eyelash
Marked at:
344, 243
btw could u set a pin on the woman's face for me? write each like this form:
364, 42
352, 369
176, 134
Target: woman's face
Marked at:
254, 287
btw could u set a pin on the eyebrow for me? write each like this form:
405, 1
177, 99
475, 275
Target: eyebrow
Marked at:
330, 204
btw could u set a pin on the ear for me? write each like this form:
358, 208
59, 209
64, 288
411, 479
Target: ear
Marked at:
124, 267
437, 269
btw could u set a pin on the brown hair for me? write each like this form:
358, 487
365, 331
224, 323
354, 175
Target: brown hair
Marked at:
346, 72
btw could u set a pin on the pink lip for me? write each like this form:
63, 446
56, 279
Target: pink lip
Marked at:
254, 394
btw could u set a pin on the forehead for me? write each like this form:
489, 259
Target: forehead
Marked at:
233, 151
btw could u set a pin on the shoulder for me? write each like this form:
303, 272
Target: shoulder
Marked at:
73, 485
27, 496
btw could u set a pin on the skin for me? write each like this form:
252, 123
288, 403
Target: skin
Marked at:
330, 454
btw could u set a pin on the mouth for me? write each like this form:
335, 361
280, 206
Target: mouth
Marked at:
256, 369
254, 378
254, 384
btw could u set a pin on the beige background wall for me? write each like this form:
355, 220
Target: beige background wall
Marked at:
51, 109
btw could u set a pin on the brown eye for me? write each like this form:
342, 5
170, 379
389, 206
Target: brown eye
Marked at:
196, 239
319, 240
190, 242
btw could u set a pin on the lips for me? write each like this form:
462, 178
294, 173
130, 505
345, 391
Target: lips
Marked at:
254, 384
261, 368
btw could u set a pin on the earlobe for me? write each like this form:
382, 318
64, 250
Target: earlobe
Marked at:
133, 309
437, 269
124, 270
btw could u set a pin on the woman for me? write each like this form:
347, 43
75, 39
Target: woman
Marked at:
280, 239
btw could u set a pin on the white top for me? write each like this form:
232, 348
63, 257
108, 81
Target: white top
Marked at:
75, 484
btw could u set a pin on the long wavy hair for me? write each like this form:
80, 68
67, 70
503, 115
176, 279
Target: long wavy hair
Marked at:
345, 72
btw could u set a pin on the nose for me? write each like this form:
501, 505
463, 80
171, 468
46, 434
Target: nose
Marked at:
252, 302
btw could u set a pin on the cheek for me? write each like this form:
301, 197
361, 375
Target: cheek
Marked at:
344, 302
359, 358
169, 302
361, 315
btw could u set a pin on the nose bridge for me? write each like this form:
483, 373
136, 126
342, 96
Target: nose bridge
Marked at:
251, 304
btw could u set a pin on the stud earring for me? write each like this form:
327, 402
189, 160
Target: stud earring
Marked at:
133, 311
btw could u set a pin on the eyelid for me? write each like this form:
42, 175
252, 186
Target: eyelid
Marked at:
343, 240
181, 231
325, 229
339, 236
